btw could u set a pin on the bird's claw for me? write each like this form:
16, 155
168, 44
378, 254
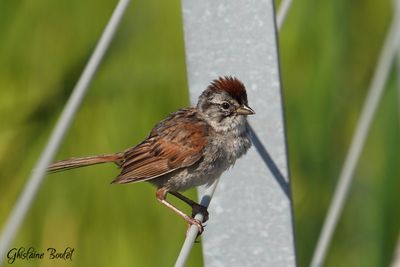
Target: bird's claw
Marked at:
198, 224
200, 209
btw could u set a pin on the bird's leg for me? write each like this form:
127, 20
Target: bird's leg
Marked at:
161, 195
196, 208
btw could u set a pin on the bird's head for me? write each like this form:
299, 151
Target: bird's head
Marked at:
224, 104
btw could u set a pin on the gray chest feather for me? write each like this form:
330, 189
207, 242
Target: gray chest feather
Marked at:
225, 150
219, 155
221, 152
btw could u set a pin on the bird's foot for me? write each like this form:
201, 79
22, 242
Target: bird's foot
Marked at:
197, 208
198, 224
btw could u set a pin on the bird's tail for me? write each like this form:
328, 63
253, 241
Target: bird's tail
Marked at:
73, 163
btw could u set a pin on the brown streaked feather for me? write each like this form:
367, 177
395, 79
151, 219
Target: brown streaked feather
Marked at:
174, 143
85, 161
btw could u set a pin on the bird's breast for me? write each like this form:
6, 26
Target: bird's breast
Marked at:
221, 152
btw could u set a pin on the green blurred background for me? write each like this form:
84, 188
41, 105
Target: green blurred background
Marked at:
328, 51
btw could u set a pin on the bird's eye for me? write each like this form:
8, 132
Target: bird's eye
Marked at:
225, 105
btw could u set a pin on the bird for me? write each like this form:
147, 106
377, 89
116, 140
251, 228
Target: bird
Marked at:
190, 147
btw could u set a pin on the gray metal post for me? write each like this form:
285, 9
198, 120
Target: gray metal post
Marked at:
250, 214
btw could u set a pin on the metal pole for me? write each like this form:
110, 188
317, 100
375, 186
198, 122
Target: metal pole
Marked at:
396, 255
32, 186
250, 219
376, 88
194, 230
282, 13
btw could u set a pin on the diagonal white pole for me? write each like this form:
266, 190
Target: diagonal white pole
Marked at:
396, 255
193, 230
32, 186
398, 82
209, 192
376, 88
282, 13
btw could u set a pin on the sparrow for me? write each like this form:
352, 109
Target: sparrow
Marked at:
190, 147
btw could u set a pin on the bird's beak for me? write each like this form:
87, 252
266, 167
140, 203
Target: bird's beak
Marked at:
245, 110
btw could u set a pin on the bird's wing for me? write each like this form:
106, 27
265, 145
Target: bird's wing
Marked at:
173, 144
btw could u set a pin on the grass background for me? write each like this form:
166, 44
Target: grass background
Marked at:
328, 51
